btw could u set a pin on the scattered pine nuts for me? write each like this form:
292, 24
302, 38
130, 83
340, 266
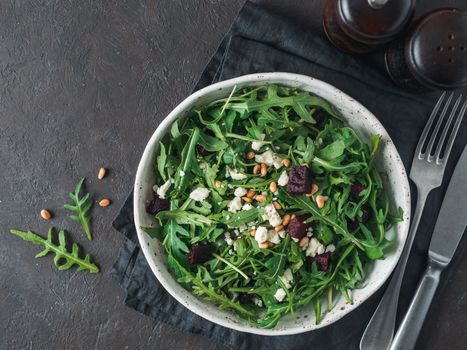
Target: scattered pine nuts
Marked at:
265, 245
273, 186
256, 169
250, 155
45, 214
218, 183
305, 165
320, 201
279, 228
101, 173
293, 217
253, 232
276, 205
285, 220
104, 202
247, 199
251, 193
260, 198
264, 169
304, 242
314, 189
286, 162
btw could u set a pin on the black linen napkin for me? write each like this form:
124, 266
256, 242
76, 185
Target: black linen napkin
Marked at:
262, 42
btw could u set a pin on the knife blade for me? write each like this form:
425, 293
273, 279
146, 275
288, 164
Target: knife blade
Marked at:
452, 218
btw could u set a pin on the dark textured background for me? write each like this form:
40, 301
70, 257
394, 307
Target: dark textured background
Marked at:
83, 85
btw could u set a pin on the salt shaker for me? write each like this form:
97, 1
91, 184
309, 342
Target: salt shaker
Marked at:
361, 26
433, 54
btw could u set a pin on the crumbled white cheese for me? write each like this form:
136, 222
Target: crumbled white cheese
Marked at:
271, 214
269, 158
258, 301
261, 235
280, 294
199, 194
283, 179
235, 205
227, 238
161, 191
287, 278
256, 145
234, 174
247, 206
237, 232
240, 192
182, 173
330, 248
314, 248
281, 234
273, 237
234, 246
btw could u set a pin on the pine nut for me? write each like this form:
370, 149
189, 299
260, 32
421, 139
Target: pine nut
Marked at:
286, 162
250, 155
276, 205
45, 214
305, 165
293, 217
273, 186
218, 183
260, 198
279, 228
285, 220
320, 201
264, 169
253, 232
247, 199
104, 202
304, 242
314, 189
101, 173
256, 169
264, 245
251, 193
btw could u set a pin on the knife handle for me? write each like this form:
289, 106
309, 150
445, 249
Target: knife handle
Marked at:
407, 334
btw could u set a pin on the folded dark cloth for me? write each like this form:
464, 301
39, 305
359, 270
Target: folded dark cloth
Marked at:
263, 42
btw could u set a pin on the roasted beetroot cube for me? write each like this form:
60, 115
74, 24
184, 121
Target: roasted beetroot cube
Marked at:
297, 227
299, 180
200, 253
366, 213
157, 204
322, 261
355, 191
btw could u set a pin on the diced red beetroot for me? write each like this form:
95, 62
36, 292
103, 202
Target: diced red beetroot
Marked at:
157, 204
297, 227
299, 180
319, 116
355, 191
323, 261
245, 298
366, 213
200, 253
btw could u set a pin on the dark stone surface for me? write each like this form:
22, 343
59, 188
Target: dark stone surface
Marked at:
83, 85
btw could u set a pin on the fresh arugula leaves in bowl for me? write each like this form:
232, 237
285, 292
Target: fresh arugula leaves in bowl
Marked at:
268, 204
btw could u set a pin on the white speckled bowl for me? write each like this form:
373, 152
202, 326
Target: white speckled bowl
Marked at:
359, 118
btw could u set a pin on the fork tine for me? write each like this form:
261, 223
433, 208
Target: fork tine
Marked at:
421, 141
446, 128
429, 148
454, 131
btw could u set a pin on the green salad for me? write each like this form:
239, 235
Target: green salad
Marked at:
268, 202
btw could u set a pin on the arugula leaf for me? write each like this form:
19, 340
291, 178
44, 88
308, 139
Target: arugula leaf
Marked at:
183, 217
63, 259
332, 151
239, 218
161, 161
81, 208
188, 162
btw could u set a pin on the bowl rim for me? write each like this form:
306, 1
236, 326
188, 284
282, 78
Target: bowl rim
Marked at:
271, 77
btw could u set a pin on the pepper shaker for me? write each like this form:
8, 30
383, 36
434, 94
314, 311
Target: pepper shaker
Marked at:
361, 26
433, 54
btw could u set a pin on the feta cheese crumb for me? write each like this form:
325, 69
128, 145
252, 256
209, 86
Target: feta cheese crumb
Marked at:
283, 179
314, 248
258, 301
281, 234
240, 192
261, 235
271, 214
280, 294
256, 145
235, 205
182, 173
269, 158
199, 194
161, 191
234, 174
227, 238
330, 248
287, 278
273, 237
247, 206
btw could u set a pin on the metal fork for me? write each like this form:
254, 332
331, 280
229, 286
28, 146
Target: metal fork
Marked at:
427, 173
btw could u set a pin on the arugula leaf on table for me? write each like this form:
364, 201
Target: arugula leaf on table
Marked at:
63, 259
81, 208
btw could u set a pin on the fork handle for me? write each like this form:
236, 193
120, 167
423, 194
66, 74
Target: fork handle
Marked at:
407, 334
380, 330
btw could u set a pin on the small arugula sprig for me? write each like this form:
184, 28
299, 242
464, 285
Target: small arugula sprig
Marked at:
70, 258
81, 208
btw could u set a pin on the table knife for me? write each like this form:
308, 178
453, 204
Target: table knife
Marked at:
449, 228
